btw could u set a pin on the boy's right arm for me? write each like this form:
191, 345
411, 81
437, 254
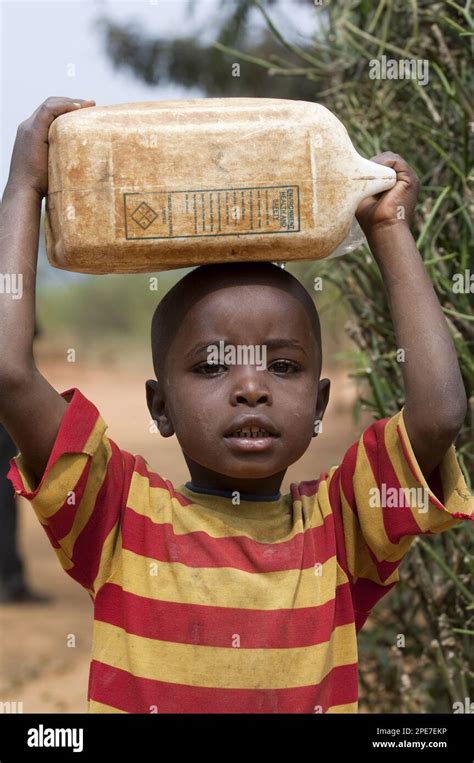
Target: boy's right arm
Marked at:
30, 408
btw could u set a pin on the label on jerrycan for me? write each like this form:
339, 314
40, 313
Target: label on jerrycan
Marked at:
212, 212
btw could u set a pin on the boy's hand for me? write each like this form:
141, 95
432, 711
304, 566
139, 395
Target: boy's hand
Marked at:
394, 206
29, 164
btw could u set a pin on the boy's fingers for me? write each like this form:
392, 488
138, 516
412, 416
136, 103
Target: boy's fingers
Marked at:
56, 99
398, 163
53, 107
387, 155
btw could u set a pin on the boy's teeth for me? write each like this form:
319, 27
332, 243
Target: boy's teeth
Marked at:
251, 432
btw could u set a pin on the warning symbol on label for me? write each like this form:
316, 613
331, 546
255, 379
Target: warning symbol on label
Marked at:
144, 215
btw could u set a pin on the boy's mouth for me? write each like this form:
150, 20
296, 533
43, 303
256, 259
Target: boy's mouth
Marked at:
251, 433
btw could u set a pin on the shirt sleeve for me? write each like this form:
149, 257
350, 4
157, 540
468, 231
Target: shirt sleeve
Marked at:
381, 501
80, 498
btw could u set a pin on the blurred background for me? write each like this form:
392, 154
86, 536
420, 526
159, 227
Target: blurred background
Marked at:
118, 52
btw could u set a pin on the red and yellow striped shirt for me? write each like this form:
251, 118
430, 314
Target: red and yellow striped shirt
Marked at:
205, 605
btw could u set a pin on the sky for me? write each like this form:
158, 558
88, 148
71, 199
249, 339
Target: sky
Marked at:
43, 43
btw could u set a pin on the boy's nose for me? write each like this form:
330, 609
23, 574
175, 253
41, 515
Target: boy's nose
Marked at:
251, 390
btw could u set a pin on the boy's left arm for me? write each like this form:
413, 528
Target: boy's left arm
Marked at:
435, 397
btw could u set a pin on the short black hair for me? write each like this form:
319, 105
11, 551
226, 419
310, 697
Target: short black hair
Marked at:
208, 278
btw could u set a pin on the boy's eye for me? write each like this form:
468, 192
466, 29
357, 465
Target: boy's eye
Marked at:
284, 367
209, 369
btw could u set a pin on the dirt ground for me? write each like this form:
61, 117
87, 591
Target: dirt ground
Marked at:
40, 665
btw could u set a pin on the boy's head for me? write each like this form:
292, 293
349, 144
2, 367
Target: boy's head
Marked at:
237, 356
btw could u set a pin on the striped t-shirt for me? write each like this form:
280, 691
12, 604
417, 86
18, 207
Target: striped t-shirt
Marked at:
204, 604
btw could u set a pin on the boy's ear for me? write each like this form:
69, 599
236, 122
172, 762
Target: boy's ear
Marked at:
156, 405
323, 399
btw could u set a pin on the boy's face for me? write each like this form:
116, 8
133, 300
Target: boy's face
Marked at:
212, 408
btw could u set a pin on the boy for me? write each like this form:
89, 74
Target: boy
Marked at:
222, 595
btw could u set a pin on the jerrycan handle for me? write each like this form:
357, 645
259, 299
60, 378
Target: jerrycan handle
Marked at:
374, 178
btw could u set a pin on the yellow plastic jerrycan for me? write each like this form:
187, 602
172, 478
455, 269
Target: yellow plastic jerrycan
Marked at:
151, 186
